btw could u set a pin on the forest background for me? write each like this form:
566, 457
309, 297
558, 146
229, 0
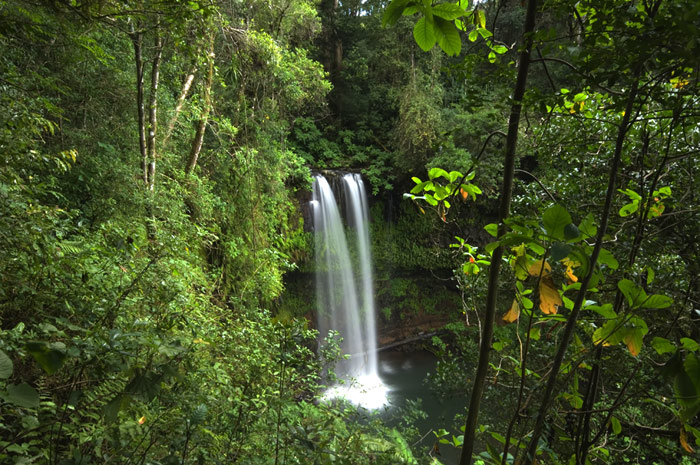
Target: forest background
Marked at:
155, 258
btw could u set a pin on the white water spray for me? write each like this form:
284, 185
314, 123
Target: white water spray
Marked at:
345, 294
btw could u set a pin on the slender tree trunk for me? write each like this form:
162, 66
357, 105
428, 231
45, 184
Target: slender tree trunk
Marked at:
202, 123
137, 41
189, 79
571, 322
503, 213
153, 107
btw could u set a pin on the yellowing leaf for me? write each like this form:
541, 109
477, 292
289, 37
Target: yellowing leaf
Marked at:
513, 314
570, 265
633, 340
549, 296
142, 420
464, 193
684, 441
536, 267
200, 341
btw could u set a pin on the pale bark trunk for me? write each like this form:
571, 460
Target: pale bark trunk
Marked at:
137, 41
153, 108
189, 79
202, 123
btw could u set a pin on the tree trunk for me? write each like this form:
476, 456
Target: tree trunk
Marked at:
503, 213
202, 123
153, 107
137, 41
189, 79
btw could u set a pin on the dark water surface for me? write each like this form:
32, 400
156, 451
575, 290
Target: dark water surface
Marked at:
404, 375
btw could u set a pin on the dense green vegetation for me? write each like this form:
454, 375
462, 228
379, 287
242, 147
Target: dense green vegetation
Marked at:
155, 259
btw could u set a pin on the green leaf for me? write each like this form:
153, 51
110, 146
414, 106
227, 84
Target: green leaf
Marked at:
571, 232
555, 219
692, 367
607, 258
605, 310
455, 175
50, 358
657, 301
616, 426
559, 251
492, 229
448, 38
635, 295
500, 49
393, 12
111, 409
21, 395
631, 194
431, 200
588, 227
662, 345
473, 35
424, 34
481, 18
6, 366
485, 34
437, 172
689, 344
448, 11
628, 209
609, 334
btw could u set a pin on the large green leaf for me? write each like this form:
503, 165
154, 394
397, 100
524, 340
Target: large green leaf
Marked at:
610, 334
49, 357
588, 227
448, 11
437, 172
21, 395
393, 12
448, 37
555, 219
605, 257
5, 366
634, 294
657, 301
662, 345
424, 33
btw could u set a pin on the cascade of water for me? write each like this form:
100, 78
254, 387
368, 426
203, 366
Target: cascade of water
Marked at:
345, 294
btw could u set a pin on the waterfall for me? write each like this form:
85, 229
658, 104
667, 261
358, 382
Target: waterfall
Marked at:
344, 289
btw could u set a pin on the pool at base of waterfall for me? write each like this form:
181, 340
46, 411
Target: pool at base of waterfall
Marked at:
401, 379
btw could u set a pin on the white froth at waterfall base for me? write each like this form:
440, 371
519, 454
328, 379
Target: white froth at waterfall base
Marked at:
367, 391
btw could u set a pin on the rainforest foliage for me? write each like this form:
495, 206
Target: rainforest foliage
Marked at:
155, 261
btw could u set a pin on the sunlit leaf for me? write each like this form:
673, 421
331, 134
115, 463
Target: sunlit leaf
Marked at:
448, 11
662, 345
554, 220
537, 268
684, 441
424, 34
549, 296
633, 340
513, 314
616, 426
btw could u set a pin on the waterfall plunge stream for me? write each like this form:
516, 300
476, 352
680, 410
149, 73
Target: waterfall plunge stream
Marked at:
345, 294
